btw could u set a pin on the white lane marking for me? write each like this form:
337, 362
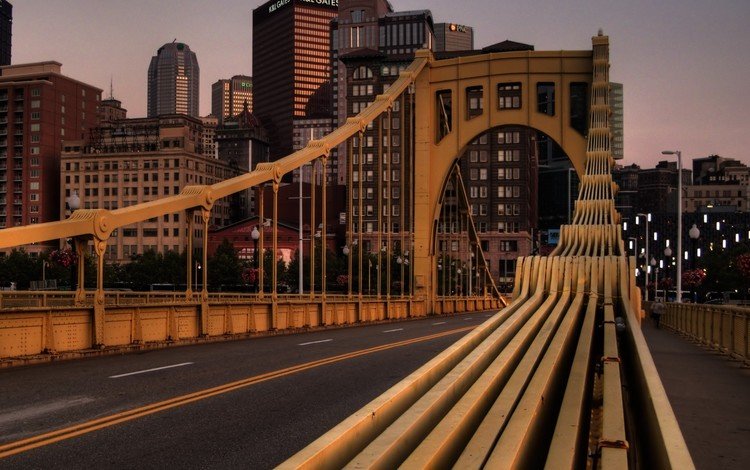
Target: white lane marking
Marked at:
150, 370
391, 331
487, 316
468, 318
438, 323
315, 342
23, 413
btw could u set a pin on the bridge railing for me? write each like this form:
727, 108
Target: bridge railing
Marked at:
722, 327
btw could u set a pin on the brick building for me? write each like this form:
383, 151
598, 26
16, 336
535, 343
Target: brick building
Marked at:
39, 108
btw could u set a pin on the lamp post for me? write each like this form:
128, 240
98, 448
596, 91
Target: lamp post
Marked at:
668, 255
255, 234
679, 220
694, 234
637, 222
656, 275
74, 203
197, 270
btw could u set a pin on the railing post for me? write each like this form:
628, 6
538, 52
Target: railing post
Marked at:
80, 247
205, 217
190, 215
100, 247
324, 230
262, 259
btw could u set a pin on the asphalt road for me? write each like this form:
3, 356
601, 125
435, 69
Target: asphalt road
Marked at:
279, 398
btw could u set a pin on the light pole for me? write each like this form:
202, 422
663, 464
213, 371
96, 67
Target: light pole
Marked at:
668, 255
694, 234
255, 234
637, 222
197, 270
74, 203
656, 275
679, 220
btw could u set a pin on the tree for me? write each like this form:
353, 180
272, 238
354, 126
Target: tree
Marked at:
224, 267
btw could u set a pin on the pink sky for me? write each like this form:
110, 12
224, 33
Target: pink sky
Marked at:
684, 63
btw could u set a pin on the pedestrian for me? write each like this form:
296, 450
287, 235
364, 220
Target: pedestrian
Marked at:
657, 310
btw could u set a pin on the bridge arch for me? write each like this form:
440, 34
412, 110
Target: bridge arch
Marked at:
459, 99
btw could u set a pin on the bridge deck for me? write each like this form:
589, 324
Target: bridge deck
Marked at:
694, 376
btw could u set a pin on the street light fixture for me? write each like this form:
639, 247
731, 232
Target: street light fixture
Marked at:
694, 234
679, 220
637, 222
656, 276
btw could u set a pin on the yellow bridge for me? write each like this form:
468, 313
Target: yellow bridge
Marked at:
560, 377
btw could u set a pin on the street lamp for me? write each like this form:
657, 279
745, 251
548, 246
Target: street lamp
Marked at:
637, 222
255, 234
197, 270
668, 255
74, 203
694, 234
679, 220
656, 278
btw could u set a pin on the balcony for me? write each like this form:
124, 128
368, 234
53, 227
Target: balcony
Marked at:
4, 109
18, 202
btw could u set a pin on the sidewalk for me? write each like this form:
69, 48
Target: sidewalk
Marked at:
710, 395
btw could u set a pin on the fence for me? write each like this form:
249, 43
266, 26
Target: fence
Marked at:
725, 328
62, 326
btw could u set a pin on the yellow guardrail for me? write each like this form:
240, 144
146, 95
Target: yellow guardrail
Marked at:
30, 330
723, 327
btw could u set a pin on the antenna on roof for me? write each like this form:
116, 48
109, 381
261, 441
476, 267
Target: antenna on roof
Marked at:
111, 88
174, 41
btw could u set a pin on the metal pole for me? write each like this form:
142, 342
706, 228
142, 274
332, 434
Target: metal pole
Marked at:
300, 258
645, 287
679, 226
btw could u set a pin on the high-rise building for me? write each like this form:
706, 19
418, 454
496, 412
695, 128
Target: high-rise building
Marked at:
291, 66
173, 81
617, 122
208, 136
6, 31
453, 37
138, 160
371, 44
39, 107
228, 96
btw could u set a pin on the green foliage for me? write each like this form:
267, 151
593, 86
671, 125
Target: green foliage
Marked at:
224, 268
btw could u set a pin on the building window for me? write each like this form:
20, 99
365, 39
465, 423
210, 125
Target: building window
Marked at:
509, 96
35, 115
35, 103
362, 73
474, 101
36, 92
545, 98
443, 102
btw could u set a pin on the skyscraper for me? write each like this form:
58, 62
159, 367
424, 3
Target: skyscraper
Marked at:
453, 37
228, 97
173, 81
6, 23
291, 66
39, 107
